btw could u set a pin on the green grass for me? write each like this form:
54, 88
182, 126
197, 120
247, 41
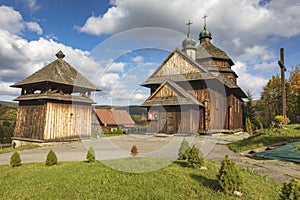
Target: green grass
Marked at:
81, 180
267, 137
11, 149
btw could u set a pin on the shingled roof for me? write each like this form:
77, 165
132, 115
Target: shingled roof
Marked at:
59, 72
183, 97
208, 50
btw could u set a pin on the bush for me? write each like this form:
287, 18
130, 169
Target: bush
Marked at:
134, 150
229, 177
120, 131
90, 156
15, 160
195, 157
291, 190
51, 158
249, 126
183, 148
279, 119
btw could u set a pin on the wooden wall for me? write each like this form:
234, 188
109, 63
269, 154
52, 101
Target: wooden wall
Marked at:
30, 121
66, 121
176, 65
176, 119
53, 121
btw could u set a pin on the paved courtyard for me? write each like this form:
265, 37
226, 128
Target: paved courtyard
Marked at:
107, 148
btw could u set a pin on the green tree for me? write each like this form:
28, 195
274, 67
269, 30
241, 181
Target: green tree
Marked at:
51, 158
291, 190
195, 157
15, 160
293, 95
2, 135
183, 148
249, 112
270, 102
229, 177
90, 156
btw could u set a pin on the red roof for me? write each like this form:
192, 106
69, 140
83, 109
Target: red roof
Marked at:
115, 117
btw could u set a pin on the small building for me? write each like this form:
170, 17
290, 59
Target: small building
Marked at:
55, 104
194, 90
111, 119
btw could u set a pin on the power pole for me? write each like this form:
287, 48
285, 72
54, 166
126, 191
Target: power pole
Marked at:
283, 94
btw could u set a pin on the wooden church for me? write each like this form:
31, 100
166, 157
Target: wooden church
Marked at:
194, 90
55, 104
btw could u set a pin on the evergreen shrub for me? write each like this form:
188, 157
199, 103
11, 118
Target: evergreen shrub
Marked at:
182, 150
90, 156
291, 190
15, 160
51, 158
229, 177
195, 157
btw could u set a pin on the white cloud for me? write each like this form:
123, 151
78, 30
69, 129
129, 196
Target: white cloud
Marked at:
34, 27
10, 20
20, 58
138, 59
105, 24
249, 82
116, 67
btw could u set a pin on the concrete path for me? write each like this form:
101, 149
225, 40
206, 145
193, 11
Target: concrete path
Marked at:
106, 148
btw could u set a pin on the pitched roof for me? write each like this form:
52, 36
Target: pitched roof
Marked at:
114, 117
203, 73
182, 98
208, 50
59, 72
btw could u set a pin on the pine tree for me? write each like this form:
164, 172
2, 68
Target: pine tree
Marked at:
229, 176
90, 156
183, 148
15, 160
51, 158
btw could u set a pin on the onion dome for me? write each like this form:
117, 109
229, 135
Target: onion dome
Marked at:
205, 35
189, 43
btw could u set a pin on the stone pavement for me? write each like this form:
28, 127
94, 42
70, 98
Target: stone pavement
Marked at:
213, 147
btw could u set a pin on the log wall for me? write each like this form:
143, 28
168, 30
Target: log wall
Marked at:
66, 121
30, 121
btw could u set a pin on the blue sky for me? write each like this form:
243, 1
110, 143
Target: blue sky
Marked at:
117, 43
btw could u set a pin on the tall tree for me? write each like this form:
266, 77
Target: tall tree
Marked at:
248, 108
270, 101
293, 95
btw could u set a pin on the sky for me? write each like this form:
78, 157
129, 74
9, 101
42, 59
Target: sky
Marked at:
118, 44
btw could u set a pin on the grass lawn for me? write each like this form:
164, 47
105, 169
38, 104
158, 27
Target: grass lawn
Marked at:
267, 137
81, 180
10, 149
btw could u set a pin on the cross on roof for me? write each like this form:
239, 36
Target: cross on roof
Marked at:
204, 17
189, 27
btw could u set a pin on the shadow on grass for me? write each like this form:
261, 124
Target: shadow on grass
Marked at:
206, 182
297, 128
181, 163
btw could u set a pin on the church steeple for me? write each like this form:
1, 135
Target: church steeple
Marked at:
189, 44
205, 35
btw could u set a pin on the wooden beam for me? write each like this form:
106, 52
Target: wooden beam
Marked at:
283, 93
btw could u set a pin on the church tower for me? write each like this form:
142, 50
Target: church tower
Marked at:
189, 44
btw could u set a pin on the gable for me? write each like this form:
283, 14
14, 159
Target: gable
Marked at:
176, 64
164, 92
170, 93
